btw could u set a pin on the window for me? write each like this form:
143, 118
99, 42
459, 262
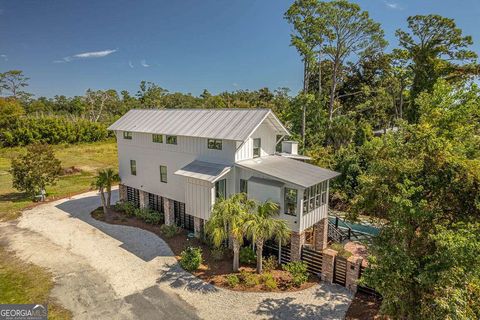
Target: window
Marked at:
278, 147
306, 193
257, 144
221, 189
163, 174
127, 135
157, 138
290, 200
215, 144
243, 186
314, 197
324, 192
133, 167
171, 139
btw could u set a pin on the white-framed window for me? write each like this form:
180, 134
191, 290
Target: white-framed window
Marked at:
163, 174
215, 144
221, 189
314, 197
133, 167
157, 138
243, 186
257, 145
127, 135
290, 200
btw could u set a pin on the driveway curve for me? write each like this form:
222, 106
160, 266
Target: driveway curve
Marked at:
105, 271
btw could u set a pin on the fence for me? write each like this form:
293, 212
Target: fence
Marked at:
313, 259
271, 249
365, 289
340, 271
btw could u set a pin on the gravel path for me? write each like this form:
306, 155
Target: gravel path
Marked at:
105, 271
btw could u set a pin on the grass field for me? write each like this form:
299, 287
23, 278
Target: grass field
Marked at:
22, 282
88, 158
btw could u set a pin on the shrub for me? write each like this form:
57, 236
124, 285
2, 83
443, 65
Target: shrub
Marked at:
169, 231
148, 215
341, 250
298, 272
249, 279
233, 280
247, 255
126, 207
269, 281
191, 258
270, 263
217, 253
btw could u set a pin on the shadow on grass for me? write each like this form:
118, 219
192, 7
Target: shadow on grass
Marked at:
15, 197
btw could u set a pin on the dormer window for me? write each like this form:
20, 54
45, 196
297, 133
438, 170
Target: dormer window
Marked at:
257, 144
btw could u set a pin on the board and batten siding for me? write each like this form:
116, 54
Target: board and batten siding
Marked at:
268, 143
314, 216
199, 198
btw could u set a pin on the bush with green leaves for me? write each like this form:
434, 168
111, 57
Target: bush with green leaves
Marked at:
148, 215
269, 281
298, 272
233, 280
126, 207
247, 256
270, 263
217, 253
169, 231
249, 279
191, 258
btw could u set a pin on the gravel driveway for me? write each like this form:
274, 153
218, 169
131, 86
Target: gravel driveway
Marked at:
104, 271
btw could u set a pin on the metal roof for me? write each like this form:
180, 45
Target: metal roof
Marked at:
289, 170
206, 171
229, 124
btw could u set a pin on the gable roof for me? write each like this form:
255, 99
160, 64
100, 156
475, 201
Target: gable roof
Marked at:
229, 124
300, 173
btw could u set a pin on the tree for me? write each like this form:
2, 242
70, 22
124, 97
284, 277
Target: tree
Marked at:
35, 169
13, 81
351, 32
260, 226
226, 223
103, 182
10, 112
436, 49
150, 95
99, 103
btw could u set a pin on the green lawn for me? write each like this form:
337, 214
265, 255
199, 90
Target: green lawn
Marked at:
26, 283
88, 157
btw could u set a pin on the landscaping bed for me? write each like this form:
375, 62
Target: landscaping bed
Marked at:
214, 269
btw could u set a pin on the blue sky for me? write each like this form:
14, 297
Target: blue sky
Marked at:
66, 47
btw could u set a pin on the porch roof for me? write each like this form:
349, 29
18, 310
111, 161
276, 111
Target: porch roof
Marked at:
202, 170
289, 170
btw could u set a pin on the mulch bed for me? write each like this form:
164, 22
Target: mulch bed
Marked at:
364, 307
211, 271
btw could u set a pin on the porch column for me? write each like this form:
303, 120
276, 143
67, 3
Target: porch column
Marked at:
122, 192
353, 273
328, 265
168, 209
297, 240
143, 198
320, 234
197, 226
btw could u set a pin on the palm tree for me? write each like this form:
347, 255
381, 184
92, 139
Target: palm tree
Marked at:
226, 223
262, 226
104, 181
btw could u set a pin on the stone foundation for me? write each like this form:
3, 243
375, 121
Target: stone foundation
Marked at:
197, 226
353, 272
328, 262
297, 240
168, 209
122, 192
320, 234
143, 198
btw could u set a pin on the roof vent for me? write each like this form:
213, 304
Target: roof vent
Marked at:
290, 147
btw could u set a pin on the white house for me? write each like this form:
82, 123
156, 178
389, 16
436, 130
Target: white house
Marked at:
179, 161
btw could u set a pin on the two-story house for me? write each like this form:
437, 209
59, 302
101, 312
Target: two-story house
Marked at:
179, 161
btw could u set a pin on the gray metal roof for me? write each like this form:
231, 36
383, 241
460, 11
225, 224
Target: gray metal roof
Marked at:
289, 170
206, 171
229, 124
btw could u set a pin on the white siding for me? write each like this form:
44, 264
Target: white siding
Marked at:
268, 142
198, 198
313, 216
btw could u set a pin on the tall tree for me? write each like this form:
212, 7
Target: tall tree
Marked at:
35, 169
150, 95
12, 82
436, 49
350, 33
262, 225
226, 223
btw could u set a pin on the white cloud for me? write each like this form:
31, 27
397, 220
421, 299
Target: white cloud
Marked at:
144, 64
235, 84
86, 55
4, 57
130, 64
393, 5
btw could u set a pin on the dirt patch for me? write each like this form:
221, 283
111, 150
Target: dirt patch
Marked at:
364, 307
70, 170
213, 271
